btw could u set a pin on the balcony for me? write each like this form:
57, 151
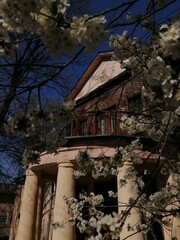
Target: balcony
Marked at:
102, 128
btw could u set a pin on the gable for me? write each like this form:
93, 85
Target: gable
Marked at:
106, 70
99, 72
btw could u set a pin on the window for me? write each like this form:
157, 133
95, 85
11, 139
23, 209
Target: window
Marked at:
3, 219
135, 104
102, 124
112, 122
98, 187
102, 187
84, 127
154, 233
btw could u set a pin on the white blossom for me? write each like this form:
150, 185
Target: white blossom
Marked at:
47, 20
170, 40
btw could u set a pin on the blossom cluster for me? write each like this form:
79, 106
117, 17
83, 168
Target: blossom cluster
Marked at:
104, 166
156, 127
85, 211
109, 227
47, 20
45, 127
160, 205
170, 39
160, 78
132, 54
30, 156
86, 164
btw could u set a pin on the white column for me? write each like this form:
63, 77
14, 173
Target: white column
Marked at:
124, 193
38, 214
26, 227
65, 187
173, 230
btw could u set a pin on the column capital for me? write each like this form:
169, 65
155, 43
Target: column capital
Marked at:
30, 172
65, 163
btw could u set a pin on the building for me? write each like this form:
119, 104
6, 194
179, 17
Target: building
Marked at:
102, 95
7, 195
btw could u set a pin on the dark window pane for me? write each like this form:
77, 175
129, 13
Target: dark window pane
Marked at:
112, 122
135, 104
103, 124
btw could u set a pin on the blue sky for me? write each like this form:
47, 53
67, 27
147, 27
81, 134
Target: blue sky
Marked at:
138, 8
